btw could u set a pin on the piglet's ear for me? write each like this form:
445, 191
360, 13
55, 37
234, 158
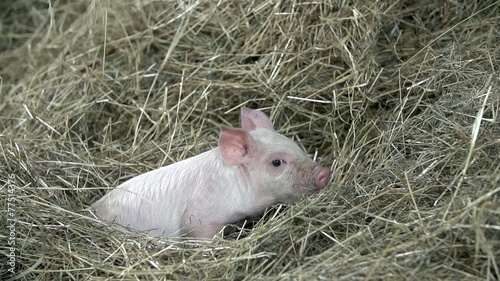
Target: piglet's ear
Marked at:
236, 145
254, 119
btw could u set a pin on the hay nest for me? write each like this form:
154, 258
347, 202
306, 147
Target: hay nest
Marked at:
400, 98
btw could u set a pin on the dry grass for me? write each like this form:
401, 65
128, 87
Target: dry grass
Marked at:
400, 98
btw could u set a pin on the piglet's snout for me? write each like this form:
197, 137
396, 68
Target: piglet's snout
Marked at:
322, 178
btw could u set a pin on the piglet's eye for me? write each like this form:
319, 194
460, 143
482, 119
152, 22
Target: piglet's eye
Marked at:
278, 162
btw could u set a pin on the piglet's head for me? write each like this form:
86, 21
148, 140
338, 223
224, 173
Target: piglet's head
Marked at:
273, 166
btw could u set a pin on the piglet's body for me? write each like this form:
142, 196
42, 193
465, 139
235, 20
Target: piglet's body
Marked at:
252, 168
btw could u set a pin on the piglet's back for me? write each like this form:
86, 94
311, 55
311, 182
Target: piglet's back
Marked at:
151, 202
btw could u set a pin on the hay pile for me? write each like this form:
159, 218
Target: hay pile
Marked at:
400, 98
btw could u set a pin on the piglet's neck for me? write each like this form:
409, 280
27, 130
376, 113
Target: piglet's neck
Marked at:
239, 193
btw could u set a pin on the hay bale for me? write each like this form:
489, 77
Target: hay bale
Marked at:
399, 98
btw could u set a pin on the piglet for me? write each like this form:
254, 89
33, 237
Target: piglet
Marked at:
253, 168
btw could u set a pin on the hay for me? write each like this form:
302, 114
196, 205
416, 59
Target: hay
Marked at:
400, 98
